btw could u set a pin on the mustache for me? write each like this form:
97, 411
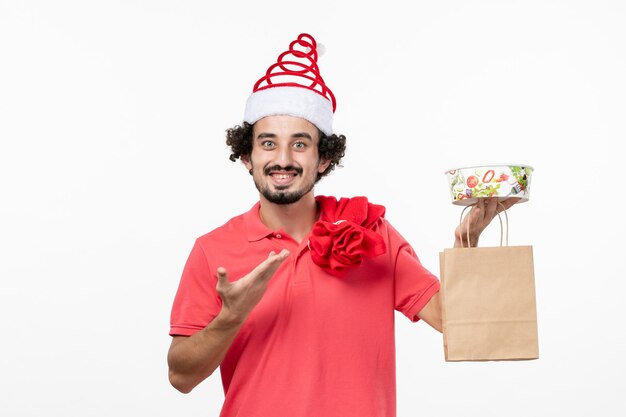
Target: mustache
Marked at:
269, 169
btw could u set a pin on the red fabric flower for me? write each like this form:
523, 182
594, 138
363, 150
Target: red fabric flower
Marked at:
343, 237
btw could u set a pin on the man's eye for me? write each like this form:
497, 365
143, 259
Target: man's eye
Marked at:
299, 145
267, 143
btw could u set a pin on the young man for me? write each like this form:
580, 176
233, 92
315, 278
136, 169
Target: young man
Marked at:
295, 299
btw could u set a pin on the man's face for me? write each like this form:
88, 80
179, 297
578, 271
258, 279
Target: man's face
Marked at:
284, 160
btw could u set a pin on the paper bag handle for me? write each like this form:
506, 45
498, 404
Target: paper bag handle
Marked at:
499, 218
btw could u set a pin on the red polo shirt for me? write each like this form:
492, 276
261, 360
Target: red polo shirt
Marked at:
316, 345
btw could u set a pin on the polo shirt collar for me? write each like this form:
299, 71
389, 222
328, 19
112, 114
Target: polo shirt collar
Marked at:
257, 230
254, 226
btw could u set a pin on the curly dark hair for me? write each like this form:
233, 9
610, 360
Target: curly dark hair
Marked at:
330, 148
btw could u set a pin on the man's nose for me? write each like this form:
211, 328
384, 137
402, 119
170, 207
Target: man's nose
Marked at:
284, 156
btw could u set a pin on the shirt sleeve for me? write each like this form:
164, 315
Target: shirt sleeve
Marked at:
196, 302
414, 285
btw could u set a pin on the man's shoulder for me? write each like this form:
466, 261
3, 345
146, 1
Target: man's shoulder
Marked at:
232, 231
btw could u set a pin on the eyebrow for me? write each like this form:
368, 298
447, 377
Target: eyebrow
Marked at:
303, 135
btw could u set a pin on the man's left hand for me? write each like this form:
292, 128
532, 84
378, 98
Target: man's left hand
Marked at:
479, 218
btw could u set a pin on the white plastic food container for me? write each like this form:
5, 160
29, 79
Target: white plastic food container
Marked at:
469, 184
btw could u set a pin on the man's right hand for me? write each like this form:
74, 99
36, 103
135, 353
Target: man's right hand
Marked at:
241, 296
192, 359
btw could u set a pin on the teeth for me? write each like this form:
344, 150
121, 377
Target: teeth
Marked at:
282, 176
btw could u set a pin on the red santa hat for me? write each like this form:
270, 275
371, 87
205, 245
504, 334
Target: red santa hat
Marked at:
293, 86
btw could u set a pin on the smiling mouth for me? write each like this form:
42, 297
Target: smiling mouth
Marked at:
282, 177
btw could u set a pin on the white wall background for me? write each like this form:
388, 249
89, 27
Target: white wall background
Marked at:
112, 161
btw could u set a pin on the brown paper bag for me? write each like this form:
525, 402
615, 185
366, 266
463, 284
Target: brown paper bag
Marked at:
488, 303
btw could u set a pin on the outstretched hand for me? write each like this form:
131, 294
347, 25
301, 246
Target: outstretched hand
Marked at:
241, 296
479, 218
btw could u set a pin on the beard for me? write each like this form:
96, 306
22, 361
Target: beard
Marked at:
283, 197
280, 195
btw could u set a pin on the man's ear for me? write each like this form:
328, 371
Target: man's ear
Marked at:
246, 161
324, 163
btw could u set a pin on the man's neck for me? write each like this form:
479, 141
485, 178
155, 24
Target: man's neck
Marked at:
295, 219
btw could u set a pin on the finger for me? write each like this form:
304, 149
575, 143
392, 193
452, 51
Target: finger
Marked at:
222, 276
491, 209
267, 268
508, 203
474, 214
273, 256
275, 259
480, 204
468, 221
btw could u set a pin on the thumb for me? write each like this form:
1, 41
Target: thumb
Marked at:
222, 277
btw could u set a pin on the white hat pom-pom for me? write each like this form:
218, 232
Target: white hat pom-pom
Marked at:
321, 49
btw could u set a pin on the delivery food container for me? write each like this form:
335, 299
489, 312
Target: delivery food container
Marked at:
469, 184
